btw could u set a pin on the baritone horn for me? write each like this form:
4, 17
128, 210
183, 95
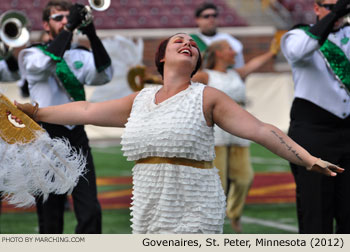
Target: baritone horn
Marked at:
98, 5
14, 29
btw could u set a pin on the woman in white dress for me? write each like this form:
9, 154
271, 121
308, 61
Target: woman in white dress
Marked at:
232, 152
169, 134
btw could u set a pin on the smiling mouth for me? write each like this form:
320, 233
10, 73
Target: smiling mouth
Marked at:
185, 51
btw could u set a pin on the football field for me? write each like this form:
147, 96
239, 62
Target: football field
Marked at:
270, 207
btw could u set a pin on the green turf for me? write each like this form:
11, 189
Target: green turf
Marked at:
113, 222
264, 160
113, 188
118, 221
282, 213
110, 162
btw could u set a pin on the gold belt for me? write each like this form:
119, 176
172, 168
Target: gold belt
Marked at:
176, 161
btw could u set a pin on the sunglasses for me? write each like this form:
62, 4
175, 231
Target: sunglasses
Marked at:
58, 17
327, 6
206, 16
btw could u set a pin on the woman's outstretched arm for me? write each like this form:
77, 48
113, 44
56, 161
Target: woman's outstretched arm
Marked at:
228, 115
112, 113
254, 64
258, 61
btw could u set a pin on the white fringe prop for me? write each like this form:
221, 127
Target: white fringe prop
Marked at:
122, 61
43, 166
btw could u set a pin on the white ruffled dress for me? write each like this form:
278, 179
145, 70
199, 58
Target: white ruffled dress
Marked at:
171, 198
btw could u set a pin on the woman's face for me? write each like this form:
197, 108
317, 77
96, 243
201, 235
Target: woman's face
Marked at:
226, 53
182, 49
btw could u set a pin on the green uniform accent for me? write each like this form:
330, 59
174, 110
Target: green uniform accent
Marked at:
66, 76
336, 59
78, 64
200, 43
344, 41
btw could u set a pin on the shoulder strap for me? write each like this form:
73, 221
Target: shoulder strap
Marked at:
201, 44
336, 60
66, 76
299, 26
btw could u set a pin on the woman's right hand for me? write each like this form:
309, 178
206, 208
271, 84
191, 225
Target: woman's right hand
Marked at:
29, 109
325, 168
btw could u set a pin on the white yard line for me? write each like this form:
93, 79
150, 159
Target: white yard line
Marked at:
105, 151
273, 224
270, 161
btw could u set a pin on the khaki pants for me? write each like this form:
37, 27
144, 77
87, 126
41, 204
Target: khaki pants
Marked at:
236, 175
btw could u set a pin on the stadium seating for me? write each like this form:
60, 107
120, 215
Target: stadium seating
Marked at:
301, 11
128, 14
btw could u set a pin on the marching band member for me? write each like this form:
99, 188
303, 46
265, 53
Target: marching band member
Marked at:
319, 57
56, 73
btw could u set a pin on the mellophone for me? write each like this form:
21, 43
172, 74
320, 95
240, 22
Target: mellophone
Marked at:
15, 26
14, 31
98, 5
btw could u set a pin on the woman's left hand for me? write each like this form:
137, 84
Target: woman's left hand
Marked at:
325, 168
27, 108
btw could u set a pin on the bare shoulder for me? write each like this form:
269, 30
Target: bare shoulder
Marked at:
211, 96
133, 95
126, 101
201, 77
118, 109
211, 93
130, 98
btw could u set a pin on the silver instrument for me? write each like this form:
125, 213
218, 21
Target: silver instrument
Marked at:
98, 5
14, 31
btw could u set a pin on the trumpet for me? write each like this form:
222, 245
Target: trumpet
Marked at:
13, 31
98, 5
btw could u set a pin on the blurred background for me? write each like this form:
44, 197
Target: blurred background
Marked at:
253, 22
139, 25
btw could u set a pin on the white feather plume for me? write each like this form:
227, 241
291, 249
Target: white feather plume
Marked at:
38, 168
125, 54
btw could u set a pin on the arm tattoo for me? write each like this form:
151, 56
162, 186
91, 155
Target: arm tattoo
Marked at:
288, 146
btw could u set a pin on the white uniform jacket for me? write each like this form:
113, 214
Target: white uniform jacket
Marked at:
39, 70
313, 78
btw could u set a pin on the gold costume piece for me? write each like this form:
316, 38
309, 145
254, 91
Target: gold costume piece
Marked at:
176, 161
11, 131
31, 163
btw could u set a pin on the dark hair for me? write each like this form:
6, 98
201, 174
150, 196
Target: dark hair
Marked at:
203, 7
63, 5
160, 54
